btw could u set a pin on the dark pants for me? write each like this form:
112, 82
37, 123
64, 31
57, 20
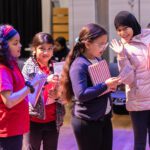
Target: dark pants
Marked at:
41, 132
96, 135
141, 126
11, 143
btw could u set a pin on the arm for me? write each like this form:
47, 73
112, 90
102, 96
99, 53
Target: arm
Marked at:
126, 69
11, 99
79, 80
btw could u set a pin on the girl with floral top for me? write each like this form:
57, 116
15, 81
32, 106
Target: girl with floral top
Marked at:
44, 128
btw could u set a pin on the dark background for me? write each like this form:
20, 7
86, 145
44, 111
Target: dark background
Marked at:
25, 16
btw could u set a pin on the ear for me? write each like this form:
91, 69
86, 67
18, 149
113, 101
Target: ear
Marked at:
33, 49
87, 44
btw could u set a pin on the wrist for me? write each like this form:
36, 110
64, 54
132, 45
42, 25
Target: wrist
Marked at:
28, 84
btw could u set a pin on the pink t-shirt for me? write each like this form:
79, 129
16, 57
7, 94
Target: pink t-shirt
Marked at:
13, 121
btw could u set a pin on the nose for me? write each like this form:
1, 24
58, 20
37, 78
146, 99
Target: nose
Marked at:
45, 51
122, 33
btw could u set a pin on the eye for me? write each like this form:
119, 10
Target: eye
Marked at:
51, 48
41, 48
125, 28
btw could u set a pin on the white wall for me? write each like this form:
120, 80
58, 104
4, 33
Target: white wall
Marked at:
46, 15
81, 12
145, 13
64, 3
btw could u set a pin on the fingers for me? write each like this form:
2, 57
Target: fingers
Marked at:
113, 82
52, 93
53, 78
116, 46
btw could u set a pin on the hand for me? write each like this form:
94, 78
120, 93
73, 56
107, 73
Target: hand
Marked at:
112, 83
117, 46
52, 93
53, 78
38, 79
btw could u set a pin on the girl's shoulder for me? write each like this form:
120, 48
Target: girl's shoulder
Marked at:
29, 61
145, 32
3, 67
82, 61
80, 64
29, 65
144, 37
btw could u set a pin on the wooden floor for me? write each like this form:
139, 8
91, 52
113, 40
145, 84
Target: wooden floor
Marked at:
122, 135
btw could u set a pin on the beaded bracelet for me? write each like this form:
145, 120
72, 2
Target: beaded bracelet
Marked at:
28, 84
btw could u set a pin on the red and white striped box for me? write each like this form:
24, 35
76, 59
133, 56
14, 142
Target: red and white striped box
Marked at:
99, 72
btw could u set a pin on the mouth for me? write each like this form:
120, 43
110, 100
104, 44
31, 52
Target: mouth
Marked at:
125, 37
47, 57
101, 53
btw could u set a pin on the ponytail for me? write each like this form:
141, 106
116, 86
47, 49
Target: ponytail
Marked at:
66, 92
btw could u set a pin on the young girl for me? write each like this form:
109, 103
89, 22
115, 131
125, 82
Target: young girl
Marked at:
133, 53
91, 119
61, 50
14, 118
46, 129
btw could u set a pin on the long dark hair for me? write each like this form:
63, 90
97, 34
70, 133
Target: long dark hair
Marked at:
62, 41
6, 33
89, 33
125, 18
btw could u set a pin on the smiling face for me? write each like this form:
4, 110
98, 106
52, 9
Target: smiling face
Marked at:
58, 46
96, 48
125, 32
15, 46
44, 52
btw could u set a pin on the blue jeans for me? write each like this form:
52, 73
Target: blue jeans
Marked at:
11, 143
141, 127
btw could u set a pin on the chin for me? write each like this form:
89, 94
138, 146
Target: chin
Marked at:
16, 56
100, 54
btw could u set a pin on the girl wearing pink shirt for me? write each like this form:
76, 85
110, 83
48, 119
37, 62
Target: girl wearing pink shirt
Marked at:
14, 118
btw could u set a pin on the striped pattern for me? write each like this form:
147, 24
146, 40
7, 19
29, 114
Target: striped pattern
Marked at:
99, 72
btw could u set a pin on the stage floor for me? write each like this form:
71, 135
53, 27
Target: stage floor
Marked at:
122, 135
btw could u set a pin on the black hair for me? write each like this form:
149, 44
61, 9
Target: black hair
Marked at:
62, 41
125, 18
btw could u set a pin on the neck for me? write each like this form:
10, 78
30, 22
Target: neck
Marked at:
88, 56
13, 58
42, 64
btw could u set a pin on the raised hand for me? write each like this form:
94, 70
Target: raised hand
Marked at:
53, 79
117, 46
